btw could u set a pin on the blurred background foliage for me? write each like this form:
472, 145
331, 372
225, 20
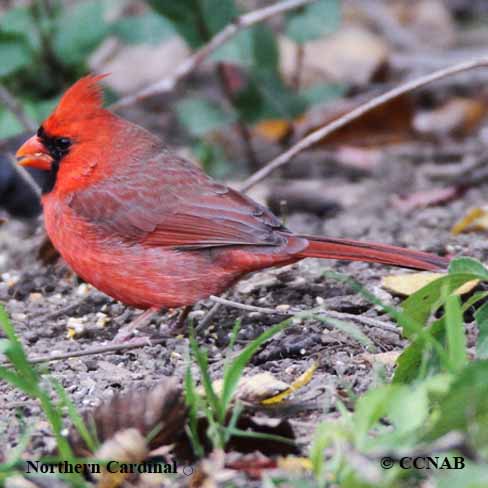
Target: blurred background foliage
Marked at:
45, 45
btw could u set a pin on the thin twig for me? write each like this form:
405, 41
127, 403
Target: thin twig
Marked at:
340, 122
136, 344
14, 106
190, 64
95, 350
299, 61
323, 313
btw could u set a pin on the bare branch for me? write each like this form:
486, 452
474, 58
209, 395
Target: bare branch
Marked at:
340, 122
323, 313
190, 64
14, 106
91, 351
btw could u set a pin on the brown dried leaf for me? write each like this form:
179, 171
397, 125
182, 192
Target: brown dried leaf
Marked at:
47, 253
143, 409
459, 117
390, 123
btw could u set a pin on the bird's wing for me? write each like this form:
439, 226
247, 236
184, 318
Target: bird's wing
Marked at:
169, 201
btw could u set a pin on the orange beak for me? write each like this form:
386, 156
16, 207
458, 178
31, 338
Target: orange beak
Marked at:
33, 154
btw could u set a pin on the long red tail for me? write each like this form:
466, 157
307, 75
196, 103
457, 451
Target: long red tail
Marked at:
349, 250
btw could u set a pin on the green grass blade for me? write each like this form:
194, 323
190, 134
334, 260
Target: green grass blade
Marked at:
74, 415
261, 435
192, 400
481, 317
213, 400
236, 368
456, 336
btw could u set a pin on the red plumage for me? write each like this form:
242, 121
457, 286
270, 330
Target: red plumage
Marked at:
150, 228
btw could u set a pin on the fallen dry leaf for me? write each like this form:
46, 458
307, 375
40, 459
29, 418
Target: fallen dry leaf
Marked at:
475, 219
144, 409
300, 382
390, 123
126, 446
253, 389
429, 20
353, 55
149, 63
459, 117
274, 130
294, 464
388, 358
408, 284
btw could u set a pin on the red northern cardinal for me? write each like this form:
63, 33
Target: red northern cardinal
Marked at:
153, 230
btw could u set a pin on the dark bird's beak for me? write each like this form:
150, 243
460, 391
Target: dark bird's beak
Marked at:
33, 154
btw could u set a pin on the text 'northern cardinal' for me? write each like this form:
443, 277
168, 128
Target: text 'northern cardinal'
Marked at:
150, 228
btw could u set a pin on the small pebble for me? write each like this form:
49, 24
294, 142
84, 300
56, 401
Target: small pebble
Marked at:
76, 327
35, 297
83, 289
283, 307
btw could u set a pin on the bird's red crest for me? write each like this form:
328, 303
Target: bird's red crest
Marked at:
82, 101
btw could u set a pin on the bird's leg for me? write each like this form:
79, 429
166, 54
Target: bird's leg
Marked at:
179, 325
128, 330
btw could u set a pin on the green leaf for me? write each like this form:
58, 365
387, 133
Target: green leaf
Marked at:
423, 303
470, 475
265, 49
238, 50
9, 125
322, 93
218, 14
481, 317
409, 363
464, 408
14, 54
456, 337
19, 21
199, 116
369, 409
212, 158
408, 409
267, 97
468, 265
419, 352
196, 20
81, 29
313, 21
149, 28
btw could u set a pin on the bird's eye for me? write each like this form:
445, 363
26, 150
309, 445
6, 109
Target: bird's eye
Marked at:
63, 143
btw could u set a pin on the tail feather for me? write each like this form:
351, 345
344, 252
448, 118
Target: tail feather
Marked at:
350, 250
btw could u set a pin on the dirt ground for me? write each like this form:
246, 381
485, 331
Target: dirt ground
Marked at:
34, 292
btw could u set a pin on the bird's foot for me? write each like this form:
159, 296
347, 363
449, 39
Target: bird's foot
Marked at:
178, 326
128, 331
